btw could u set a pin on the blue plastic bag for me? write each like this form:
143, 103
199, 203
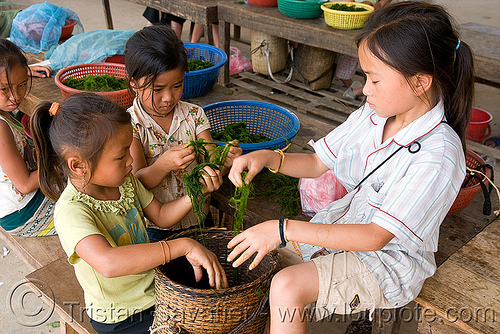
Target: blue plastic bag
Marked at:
88, 47
38, 27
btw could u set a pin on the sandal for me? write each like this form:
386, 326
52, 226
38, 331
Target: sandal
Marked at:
349, 93
492, 141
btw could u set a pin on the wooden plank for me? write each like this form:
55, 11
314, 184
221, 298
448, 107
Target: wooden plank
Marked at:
483, 149
462, 297
481, 254
199, 11
485, 43
466, 288
58, 284
35, 252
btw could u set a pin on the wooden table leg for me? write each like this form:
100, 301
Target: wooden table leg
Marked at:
236, 32
107, 14
210, 34
224, 41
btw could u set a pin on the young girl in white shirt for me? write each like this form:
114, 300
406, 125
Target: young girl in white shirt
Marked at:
401, 159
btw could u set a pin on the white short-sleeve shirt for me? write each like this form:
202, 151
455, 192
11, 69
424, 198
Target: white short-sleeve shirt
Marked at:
409, 195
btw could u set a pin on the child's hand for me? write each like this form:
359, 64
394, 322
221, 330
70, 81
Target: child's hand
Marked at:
178, 157
260, 239
234, 152
199, 257
212, 180
253, 162
40, 71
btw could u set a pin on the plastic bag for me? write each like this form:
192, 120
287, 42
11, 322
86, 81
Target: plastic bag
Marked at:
317, 193
38, 27
87, 48
237, 61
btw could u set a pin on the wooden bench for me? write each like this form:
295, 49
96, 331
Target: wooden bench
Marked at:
53, 278
58, 286
464, 294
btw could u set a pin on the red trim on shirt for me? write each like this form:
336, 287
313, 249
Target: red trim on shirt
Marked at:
376, 207
324, 139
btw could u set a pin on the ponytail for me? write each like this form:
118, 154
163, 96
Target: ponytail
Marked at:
48, 162
458, 95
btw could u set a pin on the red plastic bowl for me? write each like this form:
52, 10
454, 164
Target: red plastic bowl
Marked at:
119, 59
67, 29
264, 3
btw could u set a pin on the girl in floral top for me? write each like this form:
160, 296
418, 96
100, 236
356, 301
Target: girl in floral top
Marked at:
99, 215
156, 61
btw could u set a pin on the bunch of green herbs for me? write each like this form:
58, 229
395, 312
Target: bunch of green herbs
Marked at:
192, 180
239, 203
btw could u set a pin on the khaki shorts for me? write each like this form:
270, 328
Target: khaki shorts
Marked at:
346, 286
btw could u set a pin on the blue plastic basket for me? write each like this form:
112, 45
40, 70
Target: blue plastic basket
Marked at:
278, 124
197, 83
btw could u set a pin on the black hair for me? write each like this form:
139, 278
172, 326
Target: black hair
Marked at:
11, 55
152, 51
417, 37
83, 123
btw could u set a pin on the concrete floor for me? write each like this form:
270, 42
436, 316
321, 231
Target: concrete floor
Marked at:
128, 16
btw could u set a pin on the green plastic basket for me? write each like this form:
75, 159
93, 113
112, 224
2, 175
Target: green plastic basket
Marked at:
301, 9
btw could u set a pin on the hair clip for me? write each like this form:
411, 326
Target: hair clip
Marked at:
54, 109
458, 45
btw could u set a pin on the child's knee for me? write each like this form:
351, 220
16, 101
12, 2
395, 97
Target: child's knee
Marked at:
284, 287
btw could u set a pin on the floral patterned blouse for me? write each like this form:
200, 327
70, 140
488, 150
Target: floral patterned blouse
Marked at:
188, 122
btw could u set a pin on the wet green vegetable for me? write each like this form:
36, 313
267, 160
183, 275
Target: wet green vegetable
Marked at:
346, 8
97, 83
238, 131
196, 64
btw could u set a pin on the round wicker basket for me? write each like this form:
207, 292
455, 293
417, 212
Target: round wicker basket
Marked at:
346, 20
185, 306
471, 185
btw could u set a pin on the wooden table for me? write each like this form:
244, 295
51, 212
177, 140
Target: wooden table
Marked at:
313, 32
484, 40
199, 11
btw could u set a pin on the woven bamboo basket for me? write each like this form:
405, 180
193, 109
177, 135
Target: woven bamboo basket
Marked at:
186, 306
314, 66
278, 52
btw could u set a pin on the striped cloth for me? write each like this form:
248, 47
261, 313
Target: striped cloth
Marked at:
409, 195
